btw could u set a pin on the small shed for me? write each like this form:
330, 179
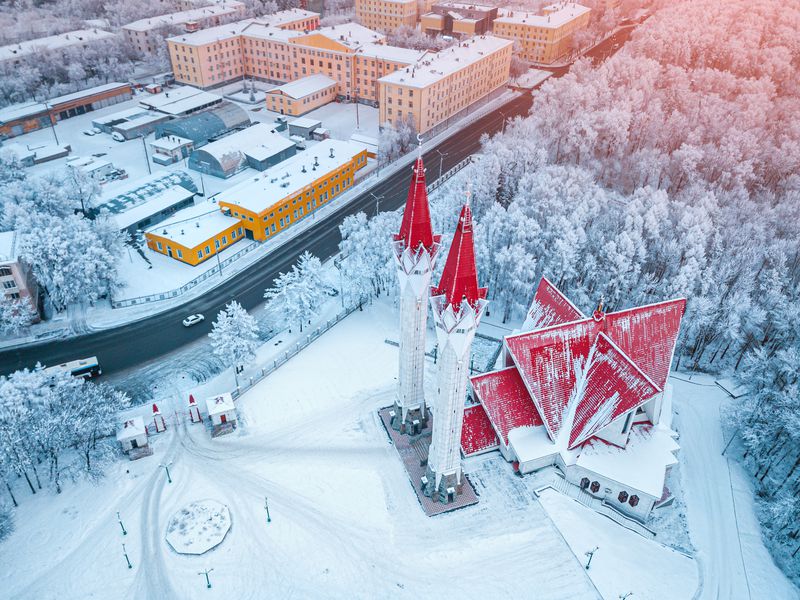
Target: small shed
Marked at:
132, 435
304, 127
221, 410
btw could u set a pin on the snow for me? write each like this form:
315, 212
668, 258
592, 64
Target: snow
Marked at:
531, 443
53, 42
131, 428
219, 404
532, 78
559, 15
180, 18
194, 225
198, 527
7, 245
722, 521
641, 464
438, 66
19, 111
393, 53
99, 89
153, 205
624, 561
305, 123
260, 192
179, 101
300, 88
257, 141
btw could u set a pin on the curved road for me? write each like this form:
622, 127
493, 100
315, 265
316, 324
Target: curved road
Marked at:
128, 345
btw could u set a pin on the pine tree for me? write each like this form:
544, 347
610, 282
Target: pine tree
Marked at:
234, 337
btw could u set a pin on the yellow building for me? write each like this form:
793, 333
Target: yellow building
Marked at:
263, 206
544, 38
446, 84
301, 96
387, 15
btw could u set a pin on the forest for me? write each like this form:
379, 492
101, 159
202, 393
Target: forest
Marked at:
671, 169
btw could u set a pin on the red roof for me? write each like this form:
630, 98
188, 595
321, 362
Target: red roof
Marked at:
477, 434
550, 307
155, 409
626, 357
460, 275
506, 401
416, 227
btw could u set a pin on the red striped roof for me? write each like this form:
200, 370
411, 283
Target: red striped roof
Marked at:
416, 228
477, 434
459, 279
550, 307
506, 400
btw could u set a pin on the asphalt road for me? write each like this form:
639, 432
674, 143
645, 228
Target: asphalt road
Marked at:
129, 345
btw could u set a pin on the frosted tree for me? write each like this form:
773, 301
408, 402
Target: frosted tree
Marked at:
15, 315
234, 337
93, 414
396, 139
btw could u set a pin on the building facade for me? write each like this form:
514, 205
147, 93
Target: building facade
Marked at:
545, 38
16, 277
387, 15
445, 85
458, 19
301, 96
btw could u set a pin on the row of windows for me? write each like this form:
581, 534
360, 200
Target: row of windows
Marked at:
622, 497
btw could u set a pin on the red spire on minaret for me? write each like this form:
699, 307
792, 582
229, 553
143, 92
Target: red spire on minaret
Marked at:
460, 276
416, 227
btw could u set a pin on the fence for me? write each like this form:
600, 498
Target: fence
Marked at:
292, 352
189, 284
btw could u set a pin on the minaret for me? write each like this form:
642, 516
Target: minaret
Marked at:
458, 304
415, 250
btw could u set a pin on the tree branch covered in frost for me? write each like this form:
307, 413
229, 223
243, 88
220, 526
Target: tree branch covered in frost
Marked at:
234, 336
297, 295
395, 140
408, 37
15, 315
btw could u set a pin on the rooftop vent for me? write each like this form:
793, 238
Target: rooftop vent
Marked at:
197, 224
303, 170
331, 155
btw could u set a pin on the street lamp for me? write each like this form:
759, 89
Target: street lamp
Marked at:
441, 160
266, 506
502, 114
590, 554
127, 560
166, 468
206, 572
146, 158
377, 202
53, 122
121, 525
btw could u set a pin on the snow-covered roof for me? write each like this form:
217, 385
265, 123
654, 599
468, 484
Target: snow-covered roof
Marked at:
178, 101
220, 404
507, 403
257, 141
554, 16
119, 116
305, 86
194, 225
640, 465
119, 196
393, 53
8, 244
131, 428
531, 443
170, 142
53, 42
268, 26
436, 66
477, 435
89, 164
20, 111
153, 205
351, 35
305, 123
550, 307
290, 176
185, 16
145, 118
99, 89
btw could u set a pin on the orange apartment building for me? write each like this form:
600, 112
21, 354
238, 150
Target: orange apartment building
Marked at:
545, 38
387, 15
446, 84
301, 96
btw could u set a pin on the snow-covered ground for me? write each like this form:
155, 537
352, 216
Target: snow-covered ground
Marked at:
724, 529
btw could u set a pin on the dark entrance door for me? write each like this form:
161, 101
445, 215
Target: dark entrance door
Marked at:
248, 234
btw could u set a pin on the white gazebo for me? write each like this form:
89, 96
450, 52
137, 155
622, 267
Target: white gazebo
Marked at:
221, 410
132, 435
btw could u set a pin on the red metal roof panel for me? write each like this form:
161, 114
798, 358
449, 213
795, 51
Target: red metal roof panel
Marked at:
550, 307
477, 434
507, 401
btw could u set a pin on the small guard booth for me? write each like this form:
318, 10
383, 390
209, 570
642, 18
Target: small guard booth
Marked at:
132, 436
222, 413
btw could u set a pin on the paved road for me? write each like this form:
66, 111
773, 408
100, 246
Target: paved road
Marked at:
132, 344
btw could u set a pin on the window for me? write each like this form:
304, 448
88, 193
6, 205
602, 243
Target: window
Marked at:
208, 250
595, 487
160, 247
239, 230
623, 497
9, 284
584, 483
180, 254
233, 235
5, 271
216, 244
633, 500
199, 254
224, 240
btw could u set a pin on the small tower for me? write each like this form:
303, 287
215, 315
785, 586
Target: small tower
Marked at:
194, 411
158, 420
458, 304
415, 250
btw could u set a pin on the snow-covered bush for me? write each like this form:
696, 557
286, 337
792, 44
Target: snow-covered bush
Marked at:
6, 520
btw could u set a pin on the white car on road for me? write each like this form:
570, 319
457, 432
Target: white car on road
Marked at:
193, 320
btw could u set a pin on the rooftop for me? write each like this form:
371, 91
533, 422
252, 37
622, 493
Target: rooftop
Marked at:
393, 53
556, 15
305, 122
133, 427
154, 204
185, 16
119, 197
194, 225
8, 242
53, 42
434, 67
351, 35
180, 100
267, 26
99, 89
220, 404
256, 140
20, 111
290, 176
305, 86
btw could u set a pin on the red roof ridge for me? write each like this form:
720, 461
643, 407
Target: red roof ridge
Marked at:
546, 329
459, 280
416, 228
643, 306
630, 360
563, 295
488, 373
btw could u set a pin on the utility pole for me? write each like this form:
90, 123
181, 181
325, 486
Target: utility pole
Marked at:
503, 130
206, 572
590, 554
202, 185
625, 596
121, 525
219, 263
166, 468
127, 560
266, 506
52, 123
441, 162
358, 123
377, 202
146, 158
337, 262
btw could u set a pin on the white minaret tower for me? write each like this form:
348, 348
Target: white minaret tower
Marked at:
415, 250
458, 305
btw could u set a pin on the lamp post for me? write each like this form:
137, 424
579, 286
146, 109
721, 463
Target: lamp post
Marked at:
266, 506
206, 572
166, 468
441, 161
146, 158
127, 560
502, 114
53, 122
121, 525
377, 202
590, 554
337, 262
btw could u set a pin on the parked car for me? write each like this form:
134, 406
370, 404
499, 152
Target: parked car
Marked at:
89, 132
193, 320
117, 136
97, 130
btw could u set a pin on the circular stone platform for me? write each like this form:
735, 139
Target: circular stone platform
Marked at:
198, 527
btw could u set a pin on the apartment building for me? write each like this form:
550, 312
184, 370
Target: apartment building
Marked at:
263, 206
146, 35
544, 38
13, 53
458, 19
16, 278
446, 84
301, 96
387, 15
